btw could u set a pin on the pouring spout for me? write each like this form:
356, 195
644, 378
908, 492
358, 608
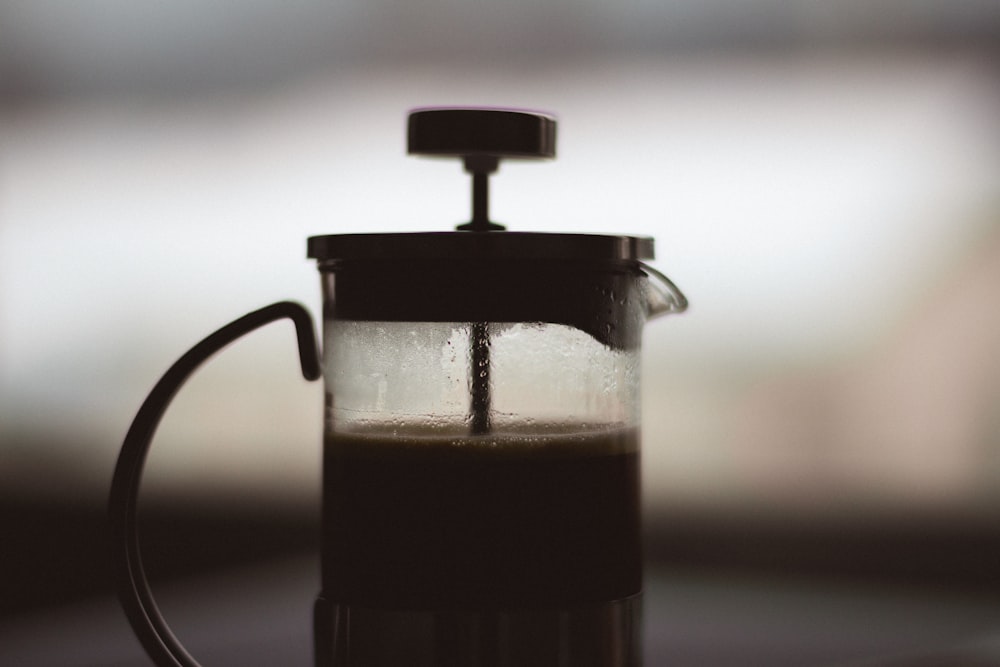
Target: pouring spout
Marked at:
663, 297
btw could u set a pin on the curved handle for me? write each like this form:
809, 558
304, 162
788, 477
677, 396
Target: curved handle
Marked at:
133, 589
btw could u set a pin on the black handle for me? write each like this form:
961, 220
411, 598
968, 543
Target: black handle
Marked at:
133, 589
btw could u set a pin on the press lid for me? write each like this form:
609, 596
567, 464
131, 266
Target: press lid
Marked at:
481, 246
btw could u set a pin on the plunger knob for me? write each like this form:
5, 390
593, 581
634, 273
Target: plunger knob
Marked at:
481, 137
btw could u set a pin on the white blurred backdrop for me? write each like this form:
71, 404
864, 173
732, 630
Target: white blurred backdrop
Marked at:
821, 180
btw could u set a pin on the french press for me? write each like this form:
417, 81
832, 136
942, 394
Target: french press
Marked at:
481, 433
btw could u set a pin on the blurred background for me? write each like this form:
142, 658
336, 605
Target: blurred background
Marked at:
822, 180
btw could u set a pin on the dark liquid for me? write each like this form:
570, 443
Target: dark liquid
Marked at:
485, 535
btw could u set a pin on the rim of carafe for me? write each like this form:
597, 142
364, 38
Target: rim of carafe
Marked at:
477, 245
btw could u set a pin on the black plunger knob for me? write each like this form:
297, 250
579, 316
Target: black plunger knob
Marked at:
481, 137
471, 131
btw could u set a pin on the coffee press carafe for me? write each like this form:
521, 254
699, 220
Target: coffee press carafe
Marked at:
481, 438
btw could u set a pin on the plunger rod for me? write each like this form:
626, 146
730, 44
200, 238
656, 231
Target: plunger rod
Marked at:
480, 375
480, 201
480, 166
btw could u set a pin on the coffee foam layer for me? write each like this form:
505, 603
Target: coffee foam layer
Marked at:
537, 440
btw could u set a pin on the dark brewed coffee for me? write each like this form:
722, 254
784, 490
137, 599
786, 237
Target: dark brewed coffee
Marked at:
483, 525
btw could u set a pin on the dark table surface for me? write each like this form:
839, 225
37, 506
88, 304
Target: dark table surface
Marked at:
260, 615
